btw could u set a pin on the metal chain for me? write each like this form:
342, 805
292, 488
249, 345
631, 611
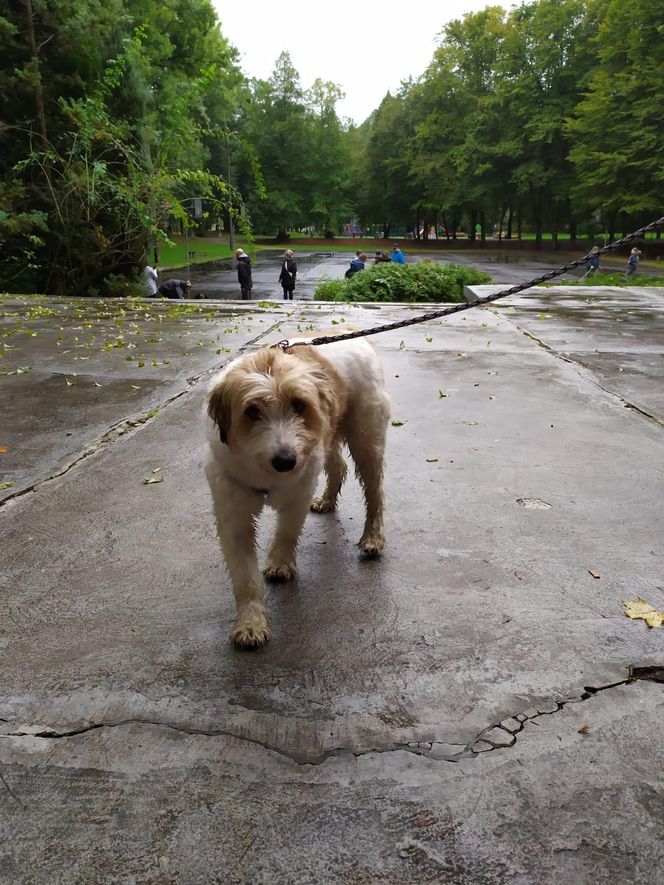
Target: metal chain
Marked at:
457, 308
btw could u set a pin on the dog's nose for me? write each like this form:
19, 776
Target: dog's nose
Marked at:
284, 461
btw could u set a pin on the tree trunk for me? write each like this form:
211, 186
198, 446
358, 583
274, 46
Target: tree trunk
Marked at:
483, 226
37, 82
572, 226
509, 223
473, 222
447, 230
518, 224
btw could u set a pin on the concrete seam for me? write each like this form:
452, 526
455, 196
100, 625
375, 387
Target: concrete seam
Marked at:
584, 372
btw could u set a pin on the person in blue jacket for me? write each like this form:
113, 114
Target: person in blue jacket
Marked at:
397, 255
633, 261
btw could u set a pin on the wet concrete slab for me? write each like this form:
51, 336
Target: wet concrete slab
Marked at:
615, 333
365, 743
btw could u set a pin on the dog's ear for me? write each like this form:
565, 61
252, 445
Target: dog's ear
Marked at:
328, 393
219, 409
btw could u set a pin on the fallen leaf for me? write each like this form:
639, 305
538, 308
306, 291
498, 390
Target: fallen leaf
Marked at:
6, 485
642, 610
157, 470
429, 340
135, 386
584, 729
432, 460
2, 450
402, 346
471, 423
150, 479
397, 423
442, 394
594, 574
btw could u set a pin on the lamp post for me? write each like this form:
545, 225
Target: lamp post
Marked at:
231, 230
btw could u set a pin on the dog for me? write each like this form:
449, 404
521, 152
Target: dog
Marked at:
275, 419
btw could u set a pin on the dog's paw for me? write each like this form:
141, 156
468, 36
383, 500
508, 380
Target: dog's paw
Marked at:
371, 545
322, 505
252, 633
279, 572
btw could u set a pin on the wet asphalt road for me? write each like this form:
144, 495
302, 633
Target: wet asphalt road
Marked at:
219, 279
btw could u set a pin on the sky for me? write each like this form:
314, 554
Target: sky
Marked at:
367, 48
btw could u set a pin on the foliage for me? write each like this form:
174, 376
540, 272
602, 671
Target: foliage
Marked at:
617, 130
104, 142
298, 141
424, 281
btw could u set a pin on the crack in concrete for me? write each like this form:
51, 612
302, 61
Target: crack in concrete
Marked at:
496, 736
127, 426
586, 373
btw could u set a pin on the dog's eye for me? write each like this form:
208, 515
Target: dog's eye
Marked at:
298, 406
253, 412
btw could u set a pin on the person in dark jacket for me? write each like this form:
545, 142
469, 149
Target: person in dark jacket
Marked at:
244, 274
175, 289
288, 274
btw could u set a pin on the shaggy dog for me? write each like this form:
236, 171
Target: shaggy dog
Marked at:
276, 418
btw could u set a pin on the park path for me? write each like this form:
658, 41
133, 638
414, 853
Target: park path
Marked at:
461, 710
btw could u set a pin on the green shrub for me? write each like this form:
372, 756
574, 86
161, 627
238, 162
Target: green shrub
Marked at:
425, 281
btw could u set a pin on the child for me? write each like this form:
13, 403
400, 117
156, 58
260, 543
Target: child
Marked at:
633, 261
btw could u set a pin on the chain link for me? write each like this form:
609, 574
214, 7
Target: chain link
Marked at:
457, 308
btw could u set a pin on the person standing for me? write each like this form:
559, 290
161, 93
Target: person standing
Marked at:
633, 261
151, 275
592, 264
244, 274
288, 274
397, 255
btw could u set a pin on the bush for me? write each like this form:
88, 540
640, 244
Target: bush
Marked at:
397, 282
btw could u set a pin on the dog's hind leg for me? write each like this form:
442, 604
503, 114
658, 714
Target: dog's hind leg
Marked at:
236, 513
366, 441
335, 473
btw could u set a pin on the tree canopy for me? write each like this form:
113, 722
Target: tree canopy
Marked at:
116, 114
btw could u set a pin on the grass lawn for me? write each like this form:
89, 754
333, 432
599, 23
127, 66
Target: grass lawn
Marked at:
201, 249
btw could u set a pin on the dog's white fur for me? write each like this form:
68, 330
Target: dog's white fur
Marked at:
302, 404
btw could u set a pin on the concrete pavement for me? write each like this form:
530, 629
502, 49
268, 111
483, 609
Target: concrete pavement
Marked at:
460, 711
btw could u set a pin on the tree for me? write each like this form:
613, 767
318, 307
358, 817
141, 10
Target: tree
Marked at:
617, 129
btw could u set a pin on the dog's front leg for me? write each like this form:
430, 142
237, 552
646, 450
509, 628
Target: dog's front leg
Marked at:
290, 519
236, 513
